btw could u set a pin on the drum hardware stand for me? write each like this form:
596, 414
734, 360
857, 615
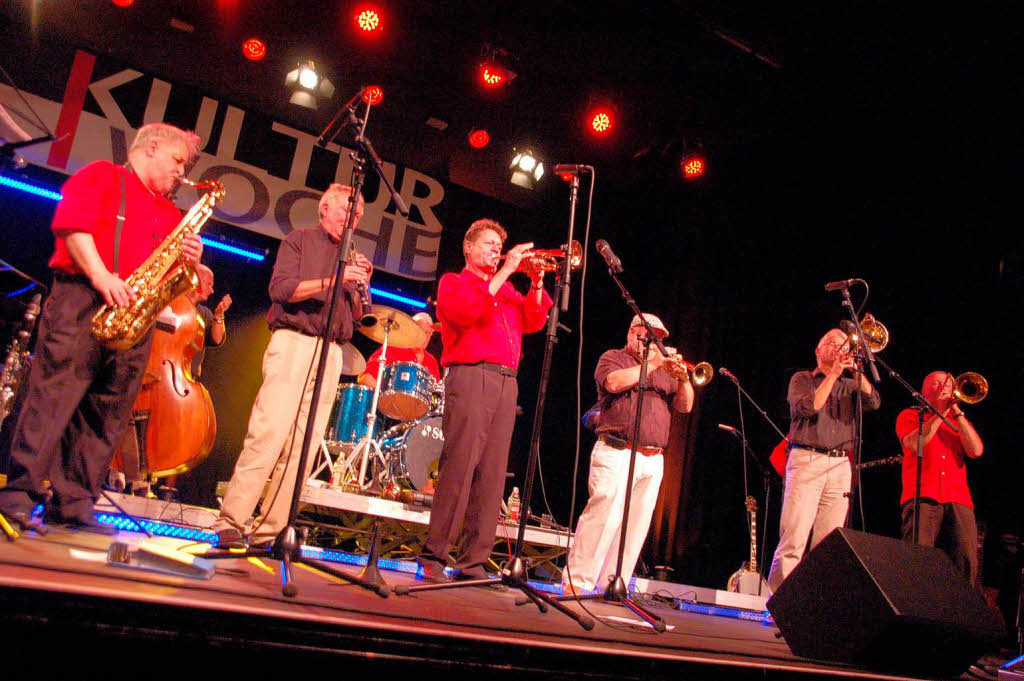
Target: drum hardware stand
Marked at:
287, 546
515, 573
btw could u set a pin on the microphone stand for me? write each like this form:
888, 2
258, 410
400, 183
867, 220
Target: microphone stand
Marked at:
287, 546
923, 405
515, 575
767, 473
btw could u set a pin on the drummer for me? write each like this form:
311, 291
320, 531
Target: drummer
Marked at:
418, 355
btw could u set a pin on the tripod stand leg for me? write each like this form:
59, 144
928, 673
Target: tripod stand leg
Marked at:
371, 573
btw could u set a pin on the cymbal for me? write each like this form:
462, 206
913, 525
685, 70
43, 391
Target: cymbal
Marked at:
404, 332
352, 361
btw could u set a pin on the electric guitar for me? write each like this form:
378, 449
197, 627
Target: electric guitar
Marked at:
747, 580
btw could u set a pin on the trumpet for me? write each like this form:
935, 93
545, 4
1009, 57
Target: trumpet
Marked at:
970, 387
699, 374
541, 260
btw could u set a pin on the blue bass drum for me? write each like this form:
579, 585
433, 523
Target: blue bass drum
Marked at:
413, 451
348, 422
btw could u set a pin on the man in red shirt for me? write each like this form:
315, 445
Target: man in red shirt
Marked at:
418, 355
483, 319
947, 510
79, 394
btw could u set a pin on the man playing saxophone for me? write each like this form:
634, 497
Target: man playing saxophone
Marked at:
80, 393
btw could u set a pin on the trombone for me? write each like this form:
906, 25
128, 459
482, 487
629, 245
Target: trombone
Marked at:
970, 387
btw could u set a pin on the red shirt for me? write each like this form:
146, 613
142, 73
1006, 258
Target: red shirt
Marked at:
403, 355
943, 467
479, 327
90, 201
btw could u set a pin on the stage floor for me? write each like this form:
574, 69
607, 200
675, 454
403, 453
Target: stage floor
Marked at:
59, 592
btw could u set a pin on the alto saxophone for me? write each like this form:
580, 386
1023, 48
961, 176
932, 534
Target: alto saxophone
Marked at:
164, 276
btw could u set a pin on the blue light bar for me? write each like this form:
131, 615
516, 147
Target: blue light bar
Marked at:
21, 290
29, 188
220, 246
399, 298
159, 529
724, 611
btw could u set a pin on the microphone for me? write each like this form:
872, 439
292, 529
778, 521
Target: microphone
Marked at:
571, 169
612, 260
729, 429
728, 374
842, 283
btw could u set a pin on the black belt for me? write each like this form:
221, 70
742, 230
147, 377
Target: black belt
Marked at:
822, 450
619, 443
491, 366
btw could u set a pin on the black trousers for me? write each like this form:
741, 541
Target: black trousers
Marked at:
950, 527
78, 403
479, 416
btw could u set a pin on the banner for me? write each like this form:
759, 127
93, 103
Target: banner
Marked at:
274, 174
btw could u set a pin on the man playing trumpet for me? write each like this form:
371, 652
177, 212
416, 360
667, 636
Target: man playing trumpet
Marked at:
946, 509
594, 555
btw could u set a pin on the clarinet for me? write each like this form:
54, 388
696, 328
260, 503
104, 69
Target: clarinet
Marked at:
367, 318
18, 359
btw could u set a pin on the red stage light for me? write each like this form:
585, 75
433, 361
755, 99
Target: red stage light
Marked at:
368, 20
123, 3
693, 166
492, 75
478, 139
373, 95
601, 122
254, 49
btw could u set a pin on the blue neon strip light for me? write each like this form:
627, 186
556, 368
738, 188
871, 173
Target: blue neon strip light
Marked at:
159, 529
220, 246
21, 290
30, 188
737, 613
401, 299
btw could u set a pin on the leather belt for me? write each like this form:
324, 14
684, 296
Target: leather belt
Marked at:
619, 443
491, 366
822, 450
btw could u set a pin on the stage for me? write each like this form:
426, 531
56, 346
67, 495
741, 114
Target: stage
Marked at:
61, 596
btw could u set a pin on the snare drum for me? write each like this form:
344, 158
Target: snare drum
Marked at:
405, 391
413, 451
348, 424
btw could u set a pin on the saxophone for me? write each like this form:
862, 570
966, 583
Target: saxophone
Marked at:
18, 359
164, 276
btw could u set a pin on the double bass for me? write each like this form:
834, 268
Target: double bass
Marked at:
173, 415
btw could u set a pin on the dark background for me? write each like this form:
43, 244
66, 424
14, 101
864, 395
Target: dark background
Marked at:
863, 144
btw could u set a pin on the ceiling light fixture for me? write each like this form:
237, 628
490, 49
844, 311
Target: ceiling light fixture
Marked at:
308, 86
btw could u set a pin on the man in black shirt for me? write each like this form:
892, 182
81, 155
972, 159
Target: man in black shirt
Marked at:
823, 406
299, 291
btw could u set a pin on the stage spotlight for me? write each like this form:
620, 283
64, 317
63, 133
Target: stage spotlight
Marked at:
601, 122
123, 3
496, 67
308, 86
693, 164
479, 138
254, 49
373, 95
526, 170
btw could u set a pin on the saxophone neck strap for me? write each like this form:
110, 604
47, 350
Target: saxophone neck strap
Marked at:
119, 226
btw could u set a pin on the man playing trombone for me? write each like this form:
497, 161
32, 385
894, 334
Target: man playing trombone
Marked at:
822, 405
946, 508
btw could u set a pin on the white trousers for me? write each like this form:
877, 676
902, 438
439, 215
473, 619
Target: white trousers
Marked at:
814, 503
277, 425
595, 550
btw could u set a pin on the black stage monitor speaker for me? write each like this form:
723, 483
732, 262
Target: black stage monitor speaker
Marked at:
883, 603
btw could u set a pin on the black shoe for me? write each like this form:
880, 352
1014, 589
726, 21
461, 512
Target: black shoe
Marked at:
478, 572
88, 523
24, 521
432, 571
230, 539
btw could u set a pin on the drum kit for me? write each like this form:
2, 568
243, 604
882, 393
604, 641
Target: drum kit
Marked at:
372, 458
